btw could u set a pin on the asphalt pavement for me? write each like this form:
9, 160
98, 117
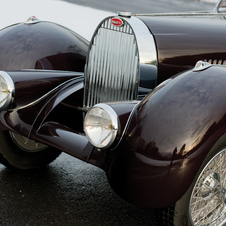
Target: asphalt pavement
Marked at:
68, 191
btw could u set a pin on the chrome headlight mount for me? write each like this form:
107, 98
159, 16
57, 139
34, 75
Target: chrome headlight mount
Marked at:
7, 90
101, 125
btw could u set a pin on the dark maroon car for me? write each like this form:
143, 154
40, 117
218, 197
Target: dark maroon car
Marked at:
145, 101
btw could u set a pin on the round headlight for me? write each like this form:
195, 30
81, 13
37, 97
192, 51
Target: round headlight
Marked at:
101, 125
6, 90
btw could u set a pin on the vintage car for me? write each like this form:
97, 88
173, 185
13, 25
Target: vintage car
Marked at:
145, 101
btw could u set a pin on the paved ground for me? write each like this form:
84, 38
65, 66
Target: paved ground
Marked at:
67, 192
146, 6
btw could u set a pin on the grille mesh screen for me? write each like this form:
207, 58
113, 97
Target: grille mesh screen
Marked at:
112, 68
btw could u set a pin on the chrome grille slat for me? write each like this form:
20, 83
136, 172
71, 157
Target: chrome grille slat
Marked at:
98, 68
90, 79
130, 52
112, 67
102, 59
131, 67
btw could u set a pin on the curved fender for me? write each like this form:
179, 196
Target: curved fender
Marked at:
34, 94
170, 134
41, 45
72, 87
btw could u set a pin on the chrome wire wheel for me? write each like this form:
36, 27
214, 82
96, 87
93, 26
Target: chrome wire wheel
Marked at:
208, 198
16, 151
26, 144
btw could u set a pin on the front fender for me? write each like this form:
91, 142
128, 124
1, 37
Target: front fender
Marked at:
37, 92
41, 45
170, 134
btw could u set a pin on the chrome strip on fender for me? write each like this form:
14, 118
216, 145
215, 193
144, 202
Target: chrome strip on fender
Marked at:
78, 79
126, 126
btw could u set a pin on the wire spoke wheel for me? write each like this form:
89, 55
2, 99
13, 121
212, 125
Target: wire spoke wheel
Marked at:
17, 151
26, 144
208, 198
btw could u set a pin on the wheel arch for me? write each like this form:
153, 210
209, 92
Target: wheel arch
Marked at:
182, 206
170, 134
42, 45
37, 93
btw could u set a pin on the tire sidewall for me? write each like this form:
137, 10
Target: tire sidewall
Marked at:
14, 156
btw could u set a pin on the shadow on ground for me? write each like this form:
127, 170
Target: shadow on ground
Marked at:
67, 192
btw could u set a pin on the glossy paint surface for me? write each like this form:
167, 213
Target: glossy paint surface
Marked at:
101, 157
33, 94
183, 40
171, 132
42, 45
70, 88
123, 113
29, 117
31, 85
65, 139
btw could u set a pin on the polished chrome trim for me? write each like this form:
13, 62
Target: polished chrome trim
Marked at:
32, 20
145, 40
10, 89
127, 125
218, 8
79, 78
222, 185
183, 14
201, 65
124, 13
219, 62
97, 75
114, 119
112, 66
27, 144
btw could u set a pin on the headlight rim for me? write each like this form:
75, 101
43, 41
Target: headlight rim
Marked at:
114, 121
10, 89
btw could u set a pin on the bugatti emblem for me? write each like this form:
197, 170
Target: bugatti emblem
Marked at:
117, 22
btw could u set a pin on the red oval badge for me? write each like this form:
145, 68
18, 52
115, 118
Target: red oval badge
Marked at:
117, 22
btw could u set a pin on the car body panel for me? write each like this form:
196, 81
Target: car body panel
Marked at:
162, 139
183, 40
41, 45
65, 139
170, 134
43, 89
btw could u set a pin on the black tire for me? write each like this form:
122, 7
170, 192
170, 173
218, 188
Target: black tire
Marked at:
208, 190
16, 154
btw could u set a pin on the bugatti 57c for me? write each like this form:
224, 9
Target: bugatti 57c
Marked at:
144, 100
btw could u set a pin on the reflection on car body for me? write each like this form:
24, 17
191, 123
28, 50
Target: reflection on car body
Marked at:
144, 101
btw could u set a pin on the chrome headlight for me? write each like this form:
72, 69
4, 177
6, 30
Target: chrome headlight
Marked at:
101, 125
7, 90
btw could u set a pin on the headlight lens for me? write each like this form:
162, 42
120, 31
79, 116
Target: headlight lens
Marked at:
6, 90
101, 125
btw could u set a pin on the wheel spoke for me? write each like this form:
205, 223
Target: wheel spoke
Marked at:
208, 213
27, 144
207, 203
